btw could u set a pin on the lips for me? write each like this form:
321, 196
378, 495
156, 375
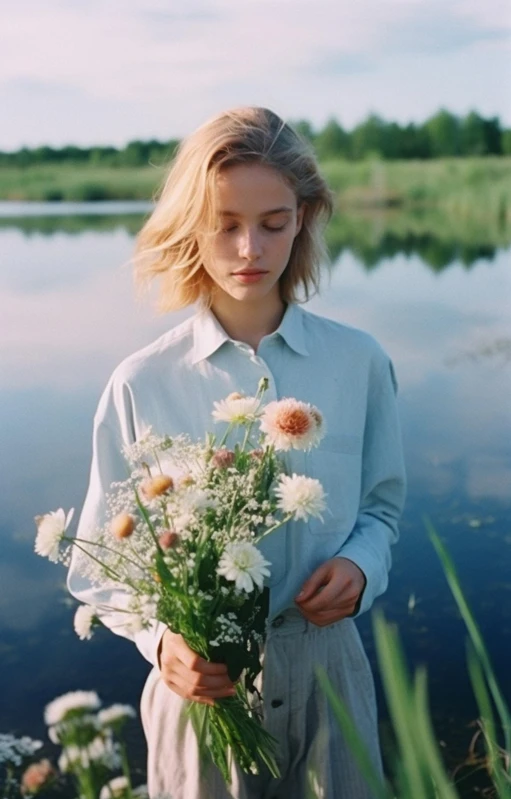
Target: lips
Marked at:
251, 272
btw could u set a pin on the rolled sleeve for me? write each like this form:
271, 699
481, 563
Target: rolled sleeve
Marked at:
108, 466
382, 492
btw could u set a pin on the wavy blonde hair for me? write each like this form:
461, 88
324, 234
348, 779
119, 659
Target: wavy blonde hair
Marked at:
167, 245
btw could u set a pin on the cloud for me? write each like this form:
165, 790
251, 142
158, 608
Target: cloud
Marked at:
113, 70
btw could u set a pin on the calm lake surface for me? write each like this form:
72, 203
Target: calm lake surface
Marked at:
68, 316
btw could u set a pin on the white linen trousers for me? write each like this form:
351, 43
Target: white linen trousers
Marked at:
314, 760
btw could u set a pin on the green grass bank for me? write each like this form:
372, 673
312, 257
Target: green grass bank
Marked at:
470, 188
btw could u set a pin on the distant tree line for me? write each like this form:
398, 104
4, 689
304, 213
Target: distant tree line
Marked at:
444, 134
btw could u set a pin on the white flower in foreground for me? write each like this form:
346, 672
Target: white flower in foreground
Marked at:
70, 756
302, 496
290, 424
243, 564
57, 710
237, 409
115, 714
83, 621
116, 787
50, 531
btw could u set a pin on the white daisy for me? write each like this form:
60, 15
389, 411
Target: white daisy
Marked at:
237, 409
302, 496
50, 531
83, 621
116, 787
114, 714
243, 564
57, 710
290, 424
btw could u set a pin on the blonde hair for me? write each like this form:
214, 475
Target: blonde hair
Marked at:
167, 245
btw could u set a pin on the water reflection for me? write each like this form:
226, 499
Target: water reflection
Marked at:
69, 316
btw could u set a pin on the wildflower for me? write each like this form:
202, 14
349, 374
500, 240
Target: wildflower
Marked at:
243, 564
290, 424
37, 776
50, 532
156, 486
115, 788
84, 619
222, 459
302, 496
13, 750
57, 710
168, 539
72, 755
115, 714
122, 525
237, 409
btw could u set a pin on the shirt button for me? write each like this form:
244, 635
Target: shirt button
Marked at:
276, 702
278, 621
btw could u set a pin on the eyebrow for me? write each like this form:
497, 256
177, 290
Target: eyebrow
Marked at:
281, 210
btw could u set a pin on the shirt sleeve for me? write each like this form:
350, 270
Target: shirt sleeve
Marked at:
113, 428
382, 492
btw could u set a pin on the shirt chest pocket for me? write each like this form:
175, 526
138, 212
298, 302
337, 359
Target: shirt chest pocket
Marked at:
337, 463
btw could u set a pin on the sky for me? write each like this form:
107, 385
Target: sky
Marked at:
110, 71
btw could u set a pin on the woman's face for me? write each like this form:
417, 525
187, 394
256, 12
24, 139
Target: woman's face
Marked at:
258, 220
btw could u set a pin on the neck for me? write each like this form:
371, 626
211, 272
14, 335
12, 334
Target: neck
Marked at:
248, 322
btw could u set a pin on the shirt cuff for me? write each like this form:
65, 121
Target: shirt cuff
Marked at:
374, 570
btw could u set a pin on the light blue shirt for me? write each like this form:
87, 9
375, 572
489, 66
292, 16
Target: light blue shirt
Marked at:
171, 385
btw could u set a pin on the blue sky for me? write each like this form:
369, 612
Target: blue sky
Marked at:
108, 71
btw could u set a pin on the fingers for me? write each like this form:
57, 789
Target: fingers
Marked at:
311, 586
190, 675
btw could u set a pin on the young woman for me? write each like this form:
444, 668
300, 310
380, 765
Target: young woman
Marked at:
238, 230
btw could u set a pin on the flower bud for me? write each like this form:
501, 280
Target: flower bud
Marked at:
168, 539
222, 459
122, 525
257, 454
155, 486
235, 396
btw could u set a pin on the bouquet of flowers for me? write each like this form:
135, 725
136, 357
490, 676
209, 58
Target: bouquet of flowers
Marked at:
180, 545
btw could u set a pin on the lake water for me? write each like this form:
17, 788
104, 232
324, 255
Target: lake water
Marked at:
68, 316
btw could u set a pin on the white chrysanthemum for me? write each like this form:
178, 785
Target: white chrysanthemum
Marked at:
50, 531
114, 714
116, 787
56, 711
290, 424
243, 564
83, 621
237, 409
302, 496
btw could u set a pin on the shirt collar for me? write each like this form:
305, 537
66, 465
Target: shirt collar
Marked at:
209, 335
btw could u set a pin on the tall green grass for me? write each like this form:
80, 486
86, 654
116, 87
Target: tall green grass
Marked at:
470, 188
418, 770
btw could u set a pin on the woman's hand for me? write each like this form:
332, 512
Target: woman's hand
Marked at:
331, 593
188, 674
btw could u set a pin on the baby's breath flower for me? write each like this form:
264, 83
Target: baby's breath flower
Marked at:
14, 750
302, 496
50, 532
244, 565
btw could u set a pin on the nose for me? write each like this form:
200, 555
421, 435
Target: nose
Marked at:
250, 245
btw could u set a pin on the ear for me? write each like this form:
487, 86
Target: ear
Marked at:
299, 218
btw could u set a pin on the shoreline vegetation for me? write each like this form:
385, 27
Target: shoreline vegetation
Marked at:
457, 166
476, 189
